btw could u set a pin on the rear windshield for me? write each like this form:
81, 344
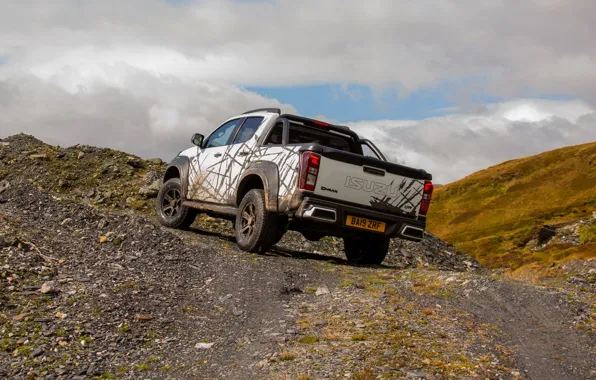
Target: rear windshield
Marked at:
301, 134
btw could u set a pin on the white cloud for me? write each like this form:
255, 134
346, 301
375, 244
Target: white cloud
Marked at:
544, 46
147, 115
450, 147
143, 75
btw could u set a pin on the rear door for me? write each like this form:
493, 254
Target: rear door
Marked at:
241, 152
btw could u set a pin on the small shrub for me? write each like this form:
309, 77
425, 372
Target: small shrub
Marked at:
143, 367
286, 355
365, 374
308, 339
587, 234
311, 289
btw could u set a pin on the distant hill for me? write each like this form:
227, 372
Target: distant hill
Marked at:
495, 214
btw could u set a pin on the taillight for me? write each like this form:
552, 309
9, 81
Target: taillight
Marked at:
309, 170
426, 197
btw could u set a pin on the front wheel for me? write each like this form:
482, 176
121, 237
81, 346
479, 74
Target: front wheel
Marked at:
169, 209
367, 250
257, 229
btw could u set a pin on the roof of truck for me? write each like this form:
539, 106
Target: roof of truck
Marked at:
305, 120
267, 110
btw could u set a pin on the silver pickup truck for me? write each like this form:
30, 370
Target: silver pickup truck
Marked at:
270, 172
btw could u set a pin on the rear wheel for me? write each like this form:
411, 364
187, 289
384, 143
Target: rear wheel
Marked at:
169, 209
367, 250
257, 229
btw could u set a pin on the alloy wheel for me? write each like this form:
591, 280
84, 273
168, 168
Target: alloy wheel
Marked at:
249, 217
171, 203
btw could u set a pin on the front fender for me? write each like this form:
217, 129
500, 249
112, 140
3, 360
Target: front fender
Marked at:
179, 167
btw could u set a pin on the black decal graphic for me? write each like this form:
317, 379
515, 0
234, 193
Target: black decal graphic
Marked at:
404, 202
217, 181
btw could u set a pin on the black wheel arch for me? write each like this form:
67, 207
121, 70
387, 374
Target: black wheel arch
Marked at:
179, 168
264, 175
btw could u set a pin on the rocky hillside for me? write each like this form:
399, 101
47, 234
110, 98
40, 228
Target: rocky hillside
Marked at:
113, 180
101, 177
95, 288
505, 215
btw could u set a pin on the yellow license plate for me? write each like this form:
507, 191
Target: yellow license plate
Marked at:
366, 224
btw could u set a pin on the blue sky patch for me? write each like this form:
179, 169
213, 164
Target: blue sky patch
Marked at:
357, 102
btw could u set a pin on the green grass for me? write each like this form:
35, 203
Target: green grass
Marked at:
143, 367
308, 339
493, 213
587, 234
286, 356
311, 289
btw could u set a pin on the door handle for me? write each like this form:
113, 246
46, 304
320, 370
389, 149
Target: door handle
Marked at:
217, 155
243, 153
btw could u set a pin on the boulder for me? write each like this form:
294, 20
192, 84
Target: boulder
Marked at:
545, 234
151, 190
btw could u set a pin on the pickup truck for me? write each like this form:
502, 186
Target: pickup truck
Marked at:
270, 172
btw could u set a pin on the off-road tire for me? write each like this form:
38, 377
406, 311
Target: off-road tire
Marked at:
257, 229
366, 250
169, 209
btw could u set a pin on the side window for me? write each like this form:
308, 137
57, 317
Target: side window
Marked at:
223, 134
276, 135
248, 129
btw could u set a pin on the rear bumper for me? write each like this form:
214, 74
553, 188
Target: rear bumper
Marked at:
329, 217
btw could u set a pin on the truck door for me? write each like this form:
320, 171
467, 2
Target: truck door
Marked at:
241, 152
209, 168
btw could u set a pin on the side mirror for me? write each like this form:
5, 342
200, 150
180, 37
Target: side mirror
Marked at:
197, 139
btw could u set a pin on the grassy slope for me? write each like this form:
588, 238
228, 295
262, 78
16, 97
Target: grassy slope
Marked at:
491, 214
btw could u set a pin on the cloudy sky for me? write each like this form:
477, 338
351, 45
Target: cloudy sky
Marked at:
452, 86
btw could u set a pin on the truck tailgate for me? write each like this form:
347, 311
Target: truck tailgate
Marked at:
366, 181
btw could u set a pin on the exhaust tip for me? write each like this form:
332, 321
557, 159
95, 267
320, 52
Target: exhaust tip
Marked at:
321, 213
412, 232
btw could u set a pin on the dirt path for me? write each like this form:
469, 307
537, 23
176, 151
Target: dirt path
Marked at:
537, 327
247, 314
447, 325
540, 326
129, 299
